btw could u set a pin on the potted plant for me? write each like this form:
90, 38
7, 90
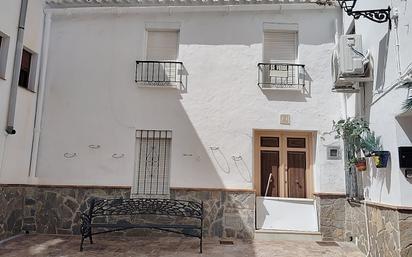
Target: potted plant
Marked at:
381, 158
351, 131
371, 143
372, 147
360, 164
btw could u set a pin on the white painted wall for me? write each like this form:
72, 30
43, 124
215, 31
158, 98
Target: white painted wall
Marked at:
91, 98
386, 185
15, 150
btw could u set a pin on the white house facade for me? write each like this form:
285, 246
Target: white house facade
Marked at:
225, 102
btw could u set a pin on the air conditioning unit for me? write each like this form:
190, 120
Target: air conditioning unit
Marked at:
351, 56
349, 65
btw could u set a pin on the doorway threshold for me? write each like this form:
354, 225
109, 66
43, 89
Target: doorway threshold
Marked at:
274, 234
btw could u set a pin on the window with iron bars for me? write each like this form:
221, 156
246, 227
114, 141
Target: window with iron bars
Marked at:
152, 169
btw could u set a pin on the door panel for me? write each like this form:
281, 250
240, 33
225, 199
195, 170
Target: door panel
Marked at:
269, 165
296, 163
286, 156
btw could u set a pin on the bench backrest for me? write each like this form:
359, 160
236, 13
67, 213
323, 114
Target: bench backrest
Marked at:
137, 206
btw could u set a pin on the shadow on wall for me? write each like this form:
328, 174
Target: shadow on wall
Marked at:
380, 175
291, 95
249, 30
405, 124
242, 168
382, 60
228, 214
283, 95
185, 74
220, 159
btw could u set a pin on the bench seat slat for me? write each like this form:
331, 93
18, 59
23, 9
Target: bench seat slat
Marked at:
104, 225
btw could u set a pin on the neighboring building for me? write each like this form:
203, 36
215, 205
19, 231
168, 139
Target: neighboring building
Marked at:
228, 102
387, 190
15, 150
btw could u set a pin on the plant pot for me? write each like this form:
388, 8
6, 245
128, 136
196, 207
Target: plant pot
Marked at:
381, 158
361, 164
367, 153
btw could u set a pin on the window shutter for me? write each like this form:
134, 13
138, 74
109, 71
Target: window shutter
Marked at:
162, 45
280, 46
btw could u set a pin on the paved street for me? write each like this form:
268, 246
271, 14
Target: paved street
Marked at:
68, 246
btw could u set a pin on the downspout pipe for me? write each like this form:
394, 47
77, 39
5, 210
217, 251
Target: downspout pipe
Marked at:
16, 69
40, 94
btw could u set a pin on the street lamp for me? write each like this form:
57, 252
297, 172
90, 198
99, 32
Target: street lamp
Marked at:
376, 15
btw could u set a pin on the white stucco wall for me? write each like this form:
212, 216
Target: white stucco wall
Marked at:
91, 98
383, 105
15, 150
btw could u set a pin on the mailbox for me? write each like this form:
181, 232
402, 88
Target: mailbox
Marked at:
405, 160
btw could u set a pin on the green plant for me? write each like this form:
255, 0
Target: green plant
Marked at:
371, 143
407, 104
324, 2
351, 131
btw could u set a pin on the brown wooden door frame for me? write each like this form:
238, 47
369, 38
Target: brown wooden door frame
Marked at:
283, 192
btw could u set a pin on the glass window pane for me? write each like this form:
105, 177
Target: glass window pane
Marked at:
269, 141
296, 142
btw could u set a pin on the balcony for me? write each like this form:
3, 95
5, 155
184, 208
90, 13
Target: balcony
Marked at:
159, 73
281, 76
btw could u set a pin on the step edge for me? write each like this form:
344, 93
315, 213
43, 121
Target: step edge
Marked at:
295, 232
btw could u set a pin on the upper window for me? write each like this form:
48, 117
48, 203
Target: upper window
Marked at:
162, 45
4, 48
280, 46
28, 70
25, 69
279, 69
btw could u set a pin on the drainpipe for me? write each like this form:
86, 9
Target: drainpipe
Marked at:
40, 94
16, 69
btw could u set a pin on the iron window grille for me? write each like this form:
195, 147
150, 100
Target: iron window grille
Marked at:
159, 73
281, 76
152, 164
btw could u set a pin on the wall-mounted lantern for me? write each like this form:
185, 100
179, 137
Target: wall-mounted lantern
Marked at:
376, 15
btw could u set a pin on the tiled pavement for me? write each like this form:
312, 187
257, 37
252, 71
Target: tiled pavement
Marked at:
68, 246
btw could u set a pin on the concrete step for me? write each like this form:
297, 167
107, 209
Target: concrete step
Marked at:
272, 234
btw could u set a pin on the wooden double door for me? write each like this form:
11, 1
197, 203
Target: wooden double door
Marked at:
283, 164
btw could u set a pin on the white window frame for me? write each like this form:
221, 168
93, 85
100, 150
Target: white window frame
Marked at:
4, 50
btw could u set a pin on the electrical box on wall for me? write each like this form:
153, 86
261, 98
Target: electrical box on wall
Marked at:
333, 153
405, 160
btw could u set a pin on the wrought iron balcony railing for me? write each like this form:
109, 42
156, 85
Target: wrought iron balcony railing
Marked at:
281, 76
159, 73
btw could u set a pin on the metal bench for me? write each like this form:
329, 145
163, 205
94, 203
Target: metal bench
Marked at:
143, 206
